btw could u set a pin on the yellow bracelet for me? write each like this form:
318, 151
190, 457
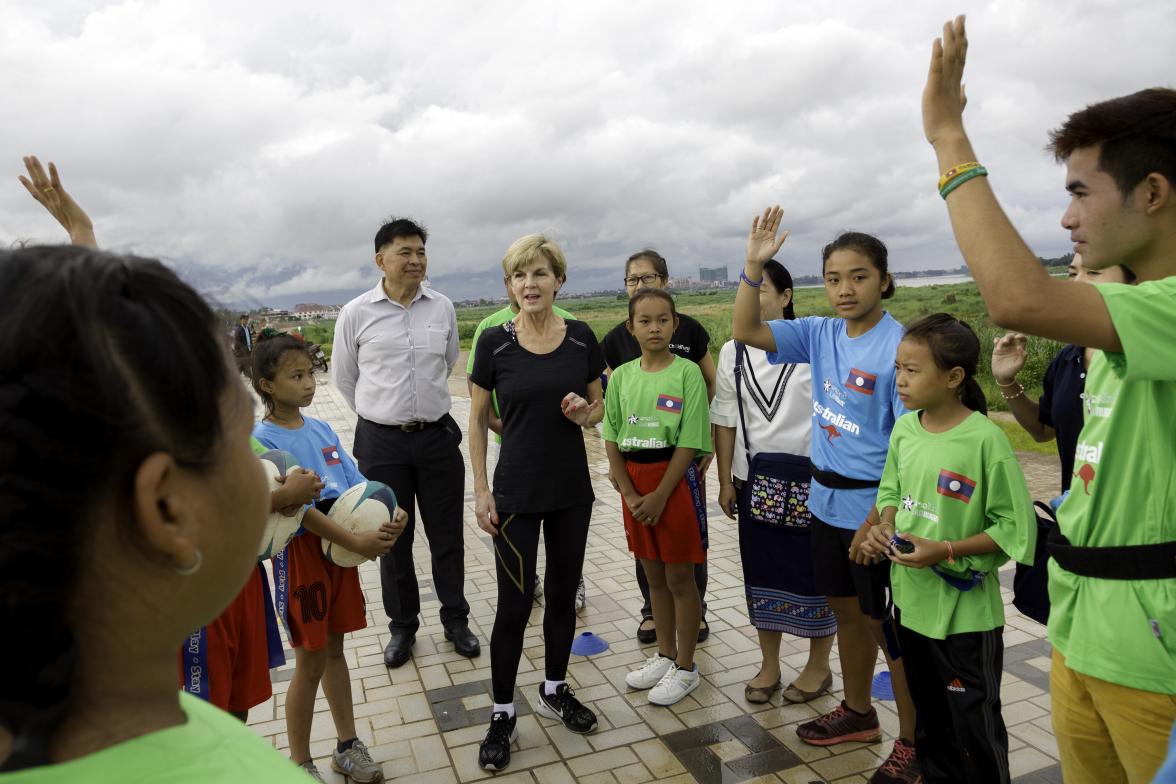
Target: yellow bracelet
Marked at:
955, 171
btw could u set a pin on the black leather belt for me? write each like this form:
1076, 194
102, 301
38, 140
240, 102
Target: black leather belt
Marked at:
409, 427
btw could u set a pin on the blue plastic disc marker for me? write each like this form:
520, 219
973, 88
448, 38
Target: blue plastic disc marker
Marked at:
588, 644
881, 688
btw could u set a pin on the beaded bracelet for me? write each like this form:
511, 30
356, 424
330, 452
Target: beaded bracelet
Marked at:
960, 179
753, 283
1020, 391
956, 171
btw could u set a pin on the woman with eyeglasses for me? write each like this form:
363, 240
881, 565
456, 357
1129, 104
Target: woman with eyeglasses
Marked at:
646, 269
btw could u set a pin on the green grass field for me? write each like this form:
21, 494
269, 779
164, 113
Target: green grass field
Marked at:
713, 309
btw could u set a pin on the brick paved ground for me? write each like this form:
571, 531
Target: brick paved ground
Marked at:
424, 720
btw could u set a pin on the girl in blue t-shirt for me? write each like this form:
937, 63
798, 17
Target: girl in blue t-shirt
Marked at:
855, 405
319, 601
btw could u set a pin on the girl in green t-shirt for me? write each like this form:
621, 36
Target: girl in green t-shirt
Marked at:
954, 507
656, 423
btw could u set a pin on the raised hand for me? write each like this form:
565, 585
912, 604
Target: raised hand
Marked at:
49, 193
762, 242
943, 95
1008, 357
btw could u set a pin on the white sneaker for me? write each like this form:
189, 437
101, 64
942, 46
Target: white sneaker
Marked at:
674, 685
650, 673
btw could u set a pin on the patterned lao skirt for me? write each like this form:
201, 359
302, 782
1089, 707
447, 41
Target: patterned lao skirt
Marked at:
774, 547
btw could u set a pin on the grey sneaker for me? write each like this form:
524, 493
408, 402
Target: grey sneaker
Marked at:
312, 771
581, 595
357, 764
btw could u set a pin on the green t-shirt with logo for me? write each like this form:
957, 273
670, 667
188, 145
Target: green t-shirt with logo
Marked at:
947, 487
497, 319
210, 746
657, 410
1123, 492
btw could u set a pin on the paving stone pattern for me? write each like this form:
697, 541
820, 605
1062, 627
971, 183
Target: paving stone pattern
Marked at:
424, 720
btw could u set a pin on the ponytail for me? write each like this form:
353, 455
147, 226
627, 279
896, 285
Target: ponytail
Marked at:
972, 396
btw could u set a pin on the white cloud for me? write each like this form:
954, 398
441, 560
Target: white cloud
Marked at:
281, 133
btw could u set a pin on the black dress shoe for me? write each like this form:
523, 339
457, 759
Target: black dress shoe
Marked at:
399, 648
646, 636
464, 641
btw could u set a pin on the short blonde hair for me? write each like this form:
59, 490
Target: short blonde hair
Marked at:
527, 249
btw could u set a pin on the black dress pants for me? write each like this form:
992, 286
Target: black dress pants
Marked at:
424, 468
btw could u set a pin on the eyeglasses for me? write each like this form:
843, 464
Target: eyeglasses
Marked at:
647, 280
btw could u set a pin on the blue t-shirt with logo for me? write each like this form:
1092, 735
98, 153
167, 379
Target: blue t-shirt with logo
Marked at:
855, 405
318, 449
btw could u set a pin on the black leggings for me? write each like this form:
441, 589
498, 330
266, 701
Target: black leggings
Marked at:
565, 534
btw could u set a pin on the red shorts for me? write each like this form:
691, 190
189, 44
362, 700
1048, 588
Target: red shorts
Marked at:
680, 534
323, 598
227, 661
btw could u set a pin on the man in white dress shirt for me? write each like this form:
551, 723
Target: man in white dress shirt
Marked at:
395, 346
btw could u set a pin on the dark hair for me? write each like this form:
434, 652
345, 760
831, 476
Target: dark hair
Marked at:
400, 227
267, 358
953, 344
104, 360
781, 280
242, 316
655, 258
648, 293
867, 245
1135, 134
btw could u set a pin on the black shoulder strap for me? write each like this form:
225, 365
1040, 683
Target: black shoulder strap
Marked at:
740, 353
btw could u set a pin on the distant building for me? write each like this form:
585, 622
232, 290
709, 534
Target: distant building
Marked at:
712, 274
309, 312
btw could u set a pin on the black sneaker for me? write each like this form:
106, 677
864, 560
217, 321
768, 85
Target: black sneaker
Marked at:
564, 707
494, 753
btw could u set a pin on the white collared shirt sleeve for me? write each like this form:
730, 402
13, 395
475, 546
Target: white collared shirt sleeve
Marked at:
453, 347
344, 357
724, 410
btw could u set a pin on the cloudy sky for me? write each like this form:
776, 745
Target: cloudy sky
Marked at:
276, 135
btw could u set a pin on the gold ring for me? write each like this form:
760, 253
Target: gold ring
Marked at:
48, 189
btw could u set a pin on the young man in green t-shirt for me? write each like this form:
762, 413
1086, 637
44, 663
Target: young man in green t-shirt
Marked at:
1113, 582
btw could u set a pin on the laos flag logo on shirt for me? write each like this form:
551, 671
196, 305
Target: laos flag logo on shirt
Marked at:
955, 486
331, 455
669, 403
861, 381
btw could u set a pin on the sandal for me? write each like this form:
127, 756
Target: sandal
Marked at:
758, 695
793, 694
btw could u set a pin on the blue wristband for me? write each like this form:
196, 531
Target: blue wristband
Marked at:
754, 284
